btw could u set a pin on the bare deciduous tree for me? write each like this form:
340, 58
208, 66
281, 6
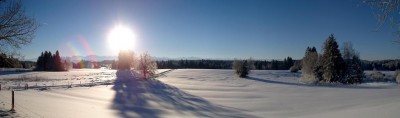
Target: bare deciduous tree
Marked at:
309, 62
147, 65
386, 10
16, 28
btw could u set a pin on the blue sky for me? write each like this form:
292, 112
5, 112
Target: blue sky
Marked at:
219, 29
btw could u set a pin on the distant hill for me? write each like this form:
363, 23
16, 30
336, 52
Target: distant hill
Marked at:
102, 58
91, 58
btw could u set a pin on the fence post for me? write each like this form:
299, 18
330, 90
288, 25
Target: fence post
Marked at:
26, 86
12, 101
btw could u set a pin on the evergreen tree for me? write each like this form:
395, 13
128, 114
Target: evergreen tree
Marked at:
332, 62
288, 62
353, 72
274, 65
356, 72
48, 62
125, 60
39, 63
59, 66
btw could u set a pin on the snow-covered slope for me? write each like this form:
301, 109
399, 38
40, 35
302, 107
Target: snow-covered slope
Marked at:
193, 93
280, 94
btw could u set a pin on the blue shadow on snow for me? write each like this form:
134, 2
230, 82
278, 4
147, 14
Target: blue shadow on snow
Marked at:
137, 98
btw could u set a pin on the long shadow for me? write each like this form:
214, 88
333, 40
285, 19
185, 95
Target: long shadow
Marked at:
10, 72
138, 98
314, 85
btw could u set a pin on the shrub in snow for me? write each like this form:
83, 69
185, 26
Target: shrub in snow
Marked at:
242, 67
376, 75
396, 73
308, 64
398, 78
293, 69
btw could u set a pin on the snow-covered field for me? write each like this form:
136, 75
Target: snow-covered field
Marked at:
190, 93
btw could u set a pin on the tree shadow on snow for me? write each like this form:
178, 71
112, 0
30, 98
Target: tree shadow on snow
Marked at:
138, 98
11, 72
8, 114
315, 85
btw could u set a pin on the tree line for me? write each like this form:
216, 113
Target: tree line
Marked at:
7, 61
274, 64
391, 65
225, 64
49, 62
86, 64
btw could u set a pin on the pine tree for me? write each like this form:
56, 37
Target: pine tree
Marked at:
288, 62
49, 62
125, 60
356, 71
353, 72
40, 63
332, 62
59, 66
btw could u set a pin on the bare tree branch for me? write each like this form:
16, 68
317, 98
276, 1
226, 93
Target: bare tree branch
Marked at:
387, 10
16, 28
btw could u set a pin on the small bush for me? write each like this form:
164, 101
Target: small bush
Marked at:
376, 75
396, 73
398, 78
241, 67
293, 69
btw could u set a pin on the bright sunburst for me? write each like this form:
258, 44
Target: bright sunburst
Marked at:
121, 38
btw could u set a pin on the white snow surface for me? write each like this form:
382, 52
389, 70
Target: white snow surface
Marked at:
84, 93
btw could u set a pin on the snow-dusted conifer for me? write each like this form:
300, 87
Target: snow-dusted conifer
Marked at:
353, 71
332, 62
242, 67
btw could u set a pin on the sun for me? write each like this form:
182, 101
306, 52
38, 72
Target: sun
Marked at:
121, 38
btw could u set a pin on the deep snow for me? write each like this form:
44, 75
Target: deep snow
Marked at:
191, 93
